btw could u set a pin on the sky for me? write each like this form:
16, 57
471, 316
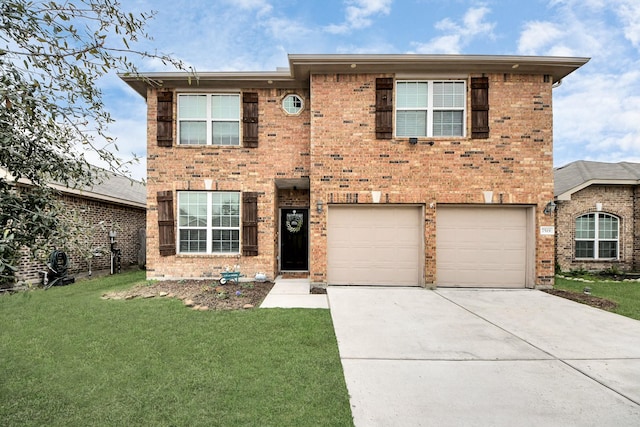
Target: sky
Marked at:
596, 109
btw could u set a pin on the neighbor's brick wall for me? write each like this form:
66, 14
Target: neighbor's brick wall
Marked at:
127, 221
619, 200
333, 142
283, 152
348, 162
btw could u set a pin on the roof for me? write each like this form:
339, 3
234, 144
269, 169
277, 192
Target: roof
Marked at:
302, 66
581, 174
108, 187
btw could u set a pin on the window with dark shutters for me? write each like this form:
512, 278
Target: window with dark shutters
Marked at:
166, 223
250, 119
249, 224
479, 107
384, 108
165, 119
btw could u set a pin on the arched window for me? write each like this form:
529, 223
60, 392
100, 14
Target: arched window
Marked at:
597, 236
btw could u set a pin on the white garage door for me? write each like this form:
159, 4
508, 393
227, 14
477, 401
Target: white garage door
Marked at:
374, 245
481, 247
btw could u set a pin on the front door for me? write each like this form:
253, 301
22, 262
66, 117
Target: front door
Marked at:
294, 240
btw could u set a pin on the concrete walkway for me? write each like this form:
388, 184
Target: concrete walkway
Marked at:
415, 357
293, 293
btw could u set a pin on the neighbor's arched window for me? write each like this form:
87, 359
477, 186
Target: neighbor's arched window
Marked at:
597, 236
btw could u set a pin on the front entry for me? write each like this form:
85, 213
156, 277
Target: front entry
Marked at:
294, 240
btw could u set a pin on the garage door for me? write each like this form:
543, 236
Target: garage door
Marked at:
481, 247
374, 245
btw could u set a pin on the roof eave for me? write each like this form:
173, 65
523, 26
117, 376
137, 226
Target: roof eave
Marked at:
301, 67
566, 195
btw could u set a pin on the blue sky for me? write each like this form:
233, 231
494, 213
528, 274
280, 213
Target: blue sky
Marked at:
596, 109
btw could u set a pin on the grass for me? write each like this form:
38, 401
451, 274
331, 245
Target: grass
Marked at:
72, 359
625, 294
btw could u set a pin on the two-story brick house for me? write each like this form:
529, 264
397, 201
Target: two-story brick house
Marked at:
431, 170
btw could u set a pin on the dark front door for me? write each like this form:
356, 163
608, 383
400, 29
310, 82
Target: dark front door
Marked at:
294, 240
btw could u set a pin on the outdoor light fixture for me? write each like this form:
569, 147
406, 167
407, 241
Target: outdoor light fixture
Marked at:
319, 206
112, 235
550, 208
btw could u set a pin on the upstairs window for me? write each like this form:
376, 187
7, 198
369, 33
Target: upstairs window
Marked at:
597, 236
209, 119
430, 108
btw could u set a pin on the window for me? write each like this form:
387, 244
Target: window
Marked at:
212, 119
430, 108
208, 222
292, 104
597, 236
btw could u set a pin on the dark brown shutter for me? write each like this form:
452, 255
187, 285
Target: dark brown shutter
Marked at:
165, 119
479, 107
250, 119
249, 224
166, 226
384, 108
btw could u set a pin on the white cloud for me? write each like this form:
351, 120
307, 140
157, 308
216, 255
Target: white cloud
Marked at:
596, 117
359, 14
537, 35
629, 13
459, 35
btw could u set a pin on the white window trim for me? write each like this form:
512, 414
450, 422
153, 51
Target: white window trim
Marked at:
209, 119
430, 108
209, 226
597, 239
289, 113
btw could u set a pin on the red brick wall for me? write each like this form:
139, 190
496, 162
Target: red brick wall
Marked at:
348, 162
619, 200
283, 152
127, 221
333, 142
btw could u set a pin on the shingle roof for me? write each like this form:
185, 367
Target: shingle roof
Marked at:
112, 188
580, 174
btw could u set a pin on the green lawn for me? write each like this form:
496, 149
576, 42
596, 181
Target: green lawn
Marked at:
626, 294
69, 358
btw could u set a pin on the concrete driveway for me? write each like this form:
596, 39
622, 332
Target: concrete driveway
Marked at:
417, 357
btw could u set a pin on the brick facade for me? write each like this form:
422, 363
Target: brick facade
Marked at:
126, 220
619, 200
330, 154
333, 144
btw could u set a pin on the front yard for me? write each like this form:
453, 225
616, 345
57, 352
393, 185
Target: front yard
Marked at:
70, 358
625, 294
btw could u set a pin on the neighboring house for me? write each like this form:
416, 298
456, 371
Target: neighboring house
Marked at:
356, 169
116, 203
598, 216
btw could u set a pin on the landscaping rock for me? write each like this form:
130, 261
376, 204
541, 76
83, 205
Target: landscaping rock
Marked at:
163, 294
189, 303
247, 306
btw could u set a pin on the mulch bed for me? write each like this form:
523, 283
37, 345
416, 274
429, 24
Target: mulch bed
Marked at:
200, 294
597, 302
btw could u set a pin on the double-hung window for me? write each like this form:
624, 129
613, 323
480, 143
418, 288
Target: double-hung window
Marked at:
597, 236
208, 222
209, 119
430, 108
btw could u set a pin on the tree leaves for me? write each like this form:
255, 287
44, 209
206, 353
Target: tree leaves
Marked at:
51, 55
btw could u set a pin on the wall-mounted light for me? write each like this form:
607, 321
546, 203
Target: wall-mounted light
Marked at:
413, 141
550, 208
319, 206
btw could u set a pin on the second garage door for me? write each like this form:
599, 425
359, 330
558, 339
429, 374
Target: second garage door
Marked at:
481, 247
375, 245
